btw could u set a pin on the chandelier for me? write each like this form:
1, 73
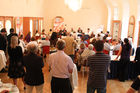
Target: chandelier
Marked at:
74, 5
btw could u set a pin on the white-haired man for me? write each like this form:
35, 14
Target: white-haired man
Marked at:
61, 67
33, 64
86, 53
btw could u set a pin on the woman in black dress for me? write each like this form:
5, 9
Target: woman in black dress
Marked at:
16, 69
53, 39
124, 53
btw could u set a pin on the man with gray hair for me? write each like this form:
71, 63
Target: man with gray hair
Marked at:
61, 67
33, 65
86, 53
32, 48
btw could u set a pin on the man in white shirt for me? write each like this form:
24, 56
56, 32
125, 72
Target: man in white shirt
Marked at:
107, 45
61, 67
117, 47
102, 35
45, 45
45, 42
33, 41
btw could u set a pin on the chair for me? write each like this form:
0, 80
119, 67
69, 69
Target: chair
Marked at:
46, 50
116, 52
37, 37
93, 48
106, 51
88, 42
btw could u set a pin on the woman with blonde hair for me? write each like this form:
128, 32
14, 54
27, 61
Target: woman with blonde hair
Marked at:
16, 69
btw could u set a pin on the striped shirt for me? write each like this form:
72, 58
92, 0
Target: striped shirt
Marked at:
98, 65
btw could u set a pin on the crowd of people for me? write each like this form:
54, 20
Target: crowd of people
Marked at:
26, 56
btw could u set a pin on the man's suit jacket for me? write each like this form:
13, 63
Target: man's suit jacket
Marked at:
33, 64
137, 57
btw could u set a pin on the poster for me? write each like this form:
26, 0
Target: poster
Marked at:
1, 24
58, 24
116, 30
19, 25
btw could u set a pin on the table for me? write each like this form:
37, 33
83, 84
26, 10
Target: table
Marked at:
114, 56
53, 50
2, 60
74, 78
114, 68
10, 87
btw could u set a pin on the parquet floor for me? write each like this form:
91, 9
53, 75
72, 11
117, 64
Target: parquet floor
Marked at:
113, 86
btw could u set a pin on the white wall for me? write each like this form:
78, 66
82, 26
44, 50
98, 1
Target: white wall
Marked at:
92, 14
32, 8
127, 8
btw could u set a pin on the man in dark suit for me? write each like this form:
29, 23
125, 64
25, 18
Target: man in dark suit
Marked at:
3, 41
137, 61
135, 86
33, 64
3, 44
10, 35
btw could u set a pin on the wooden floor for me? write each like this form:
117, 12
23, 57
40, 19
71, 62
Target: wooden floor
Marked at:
113, 86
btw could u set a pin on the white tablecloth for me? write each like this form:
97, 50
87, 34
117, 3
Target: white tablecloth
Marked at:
2, 60
74, 77
10, 87
114, 56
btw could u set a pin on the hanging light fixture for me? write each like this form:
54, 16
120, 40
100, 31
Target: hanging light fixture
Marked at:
74, 5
